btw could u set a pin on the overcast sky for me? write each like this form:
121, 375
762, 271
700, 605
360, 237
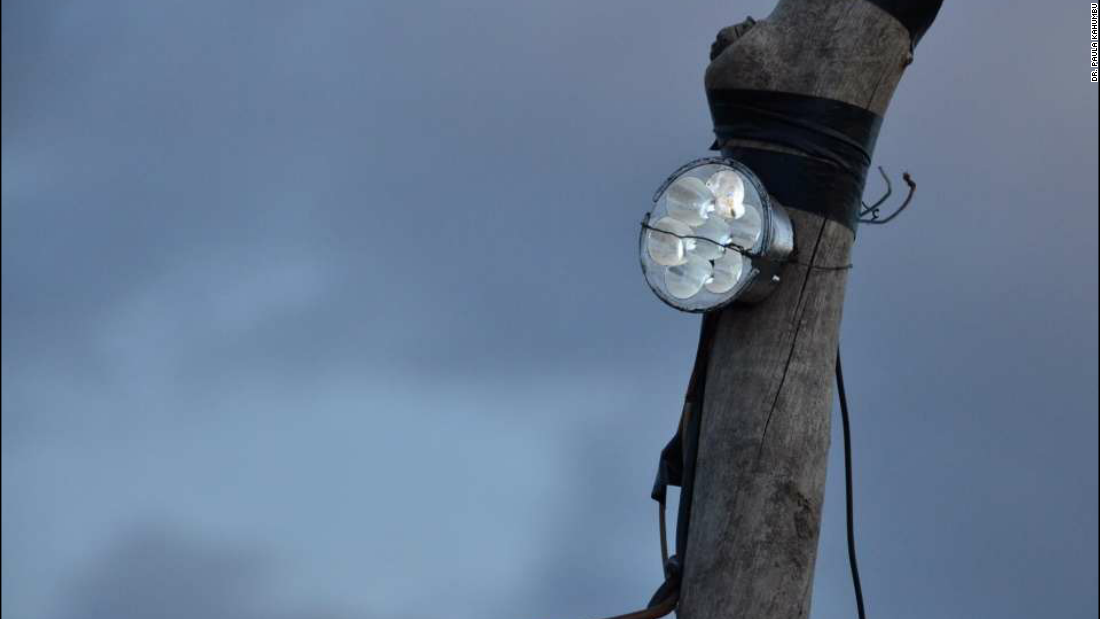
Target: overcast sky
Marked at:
331, 310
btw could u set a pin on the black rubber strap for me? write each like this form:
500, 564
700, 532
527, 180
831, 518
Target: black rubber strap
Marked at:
834, 140
838, 132
805, 184
916, 15
677, 463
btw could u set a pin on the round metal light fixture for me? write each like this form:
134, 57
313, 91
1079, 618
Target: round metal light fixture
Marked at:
713, 237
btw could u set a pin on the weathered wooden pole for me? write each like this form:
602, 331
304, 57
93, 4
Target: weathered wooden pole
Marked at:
760, 472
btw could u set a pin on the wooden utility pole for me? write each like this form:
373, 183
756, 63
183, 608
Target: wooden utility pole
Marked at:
760, 472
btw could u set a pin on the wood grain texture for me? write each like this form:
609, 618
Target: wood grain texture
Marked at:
760, 475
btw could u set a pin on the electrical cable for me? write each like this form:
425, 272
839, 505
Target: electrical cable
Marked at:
849, 517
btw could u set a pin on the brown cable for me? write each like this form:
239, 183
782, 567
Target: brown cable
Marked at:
654, 612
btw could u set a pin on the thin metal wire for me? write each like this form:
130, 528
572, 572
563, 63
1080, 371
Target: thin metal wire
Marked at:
691, 237
739, 249
873, 209
815, 267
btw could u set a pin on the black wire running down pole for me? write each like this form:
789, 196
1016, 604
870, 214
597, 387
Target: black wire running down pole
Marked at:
848, 487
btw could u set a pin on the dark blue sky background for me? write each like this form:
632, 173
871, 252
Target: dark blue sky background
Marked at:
331, 310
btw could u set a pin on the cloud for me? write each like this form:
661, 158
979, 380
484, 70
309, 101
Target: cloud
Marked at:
156, 572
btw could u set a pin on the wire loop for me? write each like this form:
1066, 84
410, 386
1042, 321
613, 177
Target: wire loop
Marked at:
874, 210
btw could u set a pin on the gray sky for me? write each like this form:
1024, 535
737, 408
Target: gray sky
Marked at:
332, 310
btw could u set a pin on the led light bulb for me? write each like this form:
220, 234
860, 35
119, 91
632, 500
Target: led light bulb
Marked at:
727, 272
686, 280
745, 231
717, 230
729, 190
665, 248
713, 237
689, 200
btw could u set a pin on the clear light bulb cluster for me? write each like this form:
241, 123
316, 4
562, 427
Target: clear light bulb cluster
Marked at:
699, 218
713, 237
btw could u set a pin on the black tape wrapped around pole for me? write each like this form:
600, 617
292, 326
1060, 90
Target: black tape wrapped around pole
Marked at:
833, 141
916, 15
